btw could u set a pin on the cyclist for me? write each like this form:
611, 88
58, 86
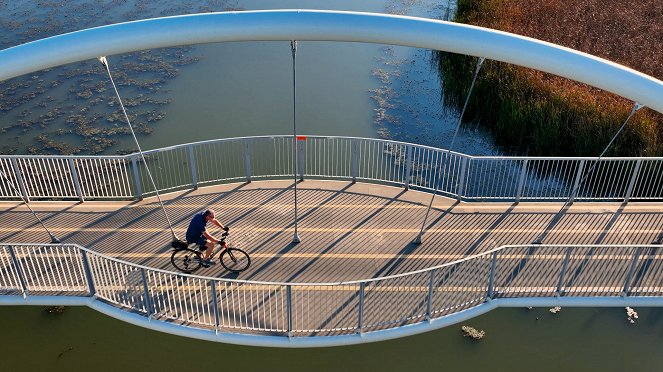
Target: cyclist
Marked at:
197, 233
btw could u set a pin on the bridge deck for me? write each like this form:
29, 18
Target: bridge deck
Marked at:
348, 231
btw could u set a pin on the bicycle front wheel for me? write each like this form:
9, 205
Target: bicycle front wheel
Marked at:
235, 260
186, 260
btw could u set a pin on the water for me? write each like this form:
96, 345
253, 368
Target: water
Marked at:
573, 340
241, 89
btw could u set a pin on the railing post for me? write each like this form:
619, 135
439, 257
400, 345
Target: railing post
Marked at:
216, 306
74, 176
360, 325
429, 300
354, 160
301, 147
629, 276
574, 190
247, 160
288, 293
146, 290
88, 273
19, 180
491, 278
634, 178
565, 265
194, 170
521, 181
408, 166
24, 287
139, 189
462, 178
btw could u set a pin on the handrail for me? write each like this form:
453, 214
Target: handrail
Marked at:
465, 177
321, 284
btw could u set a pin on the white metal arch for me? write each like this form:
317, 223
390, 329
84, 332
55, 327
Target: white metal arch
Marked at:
313, 25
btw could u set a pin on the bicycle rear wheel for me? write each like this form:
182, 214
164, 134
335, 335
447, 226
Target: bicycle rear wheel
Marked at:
186, 260
235, 259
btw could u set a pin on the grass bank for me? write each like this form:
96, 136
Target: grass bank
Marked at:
541, 114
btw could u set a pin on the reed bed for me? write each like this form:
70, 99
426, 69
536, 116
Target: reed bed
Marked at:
541, 114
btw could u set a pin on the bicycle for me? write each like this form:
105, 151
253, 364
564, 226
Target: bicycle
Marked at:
188, 260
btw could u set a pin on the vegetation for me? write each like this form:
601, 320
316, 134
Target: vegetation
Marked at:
541, 114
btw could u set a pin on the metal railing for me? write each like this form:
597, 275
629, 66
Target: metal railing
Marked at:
304, 309
464, 177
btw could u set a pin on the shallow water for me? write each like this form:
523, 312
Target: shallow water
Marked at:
574, 340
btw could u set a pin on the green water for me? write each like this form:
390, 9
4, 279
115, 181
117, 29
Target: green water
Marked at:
573, 340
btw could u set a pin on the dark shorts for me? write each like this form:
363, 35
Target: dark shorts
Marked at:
201, 241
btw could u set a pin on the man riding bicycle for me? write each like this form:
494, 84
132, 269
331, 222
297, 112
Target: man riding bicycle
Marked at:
197, 233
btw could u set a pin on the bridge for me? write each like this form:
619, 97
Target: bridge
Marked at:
356, 276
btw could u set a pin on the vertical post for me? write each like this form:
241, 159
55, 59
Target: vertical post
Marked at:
575, 190
462, 178
634, 178
360, 325
74, 176
629, 276
521, 181
408, 166
146, 290
565, 265
19, 180
194, 170
429, 301
354, 160
491, 278
24, 287
139, 189
288, 292
247, 160
293, 47
88, 273
216, 306
301, 148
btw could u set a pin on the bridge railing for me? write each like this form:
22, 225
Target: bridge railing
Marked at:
304, 309
470, 178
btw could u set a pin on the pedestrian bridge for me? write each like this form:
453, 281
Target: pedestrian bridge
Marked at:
357, 275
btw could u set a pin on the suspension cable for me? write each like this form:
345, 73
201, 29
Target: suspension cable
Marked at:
417, 240
104, 62
293, 47
54, 240
539, 239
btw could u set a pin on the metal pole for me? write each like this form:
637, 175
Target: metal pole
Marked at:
293, 47
634, 178
247, 160
563, 273
521, 181
74, 176
19, 180
24, 287
88, 273
288, 293
360, 324
354, 160
194, 171
146, 290
216, 306
139, 189
491, 278
408, 166
429, 301
627, 282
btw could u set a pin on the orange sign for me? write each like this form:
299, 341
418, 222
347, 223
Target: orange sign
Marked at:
301, 138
